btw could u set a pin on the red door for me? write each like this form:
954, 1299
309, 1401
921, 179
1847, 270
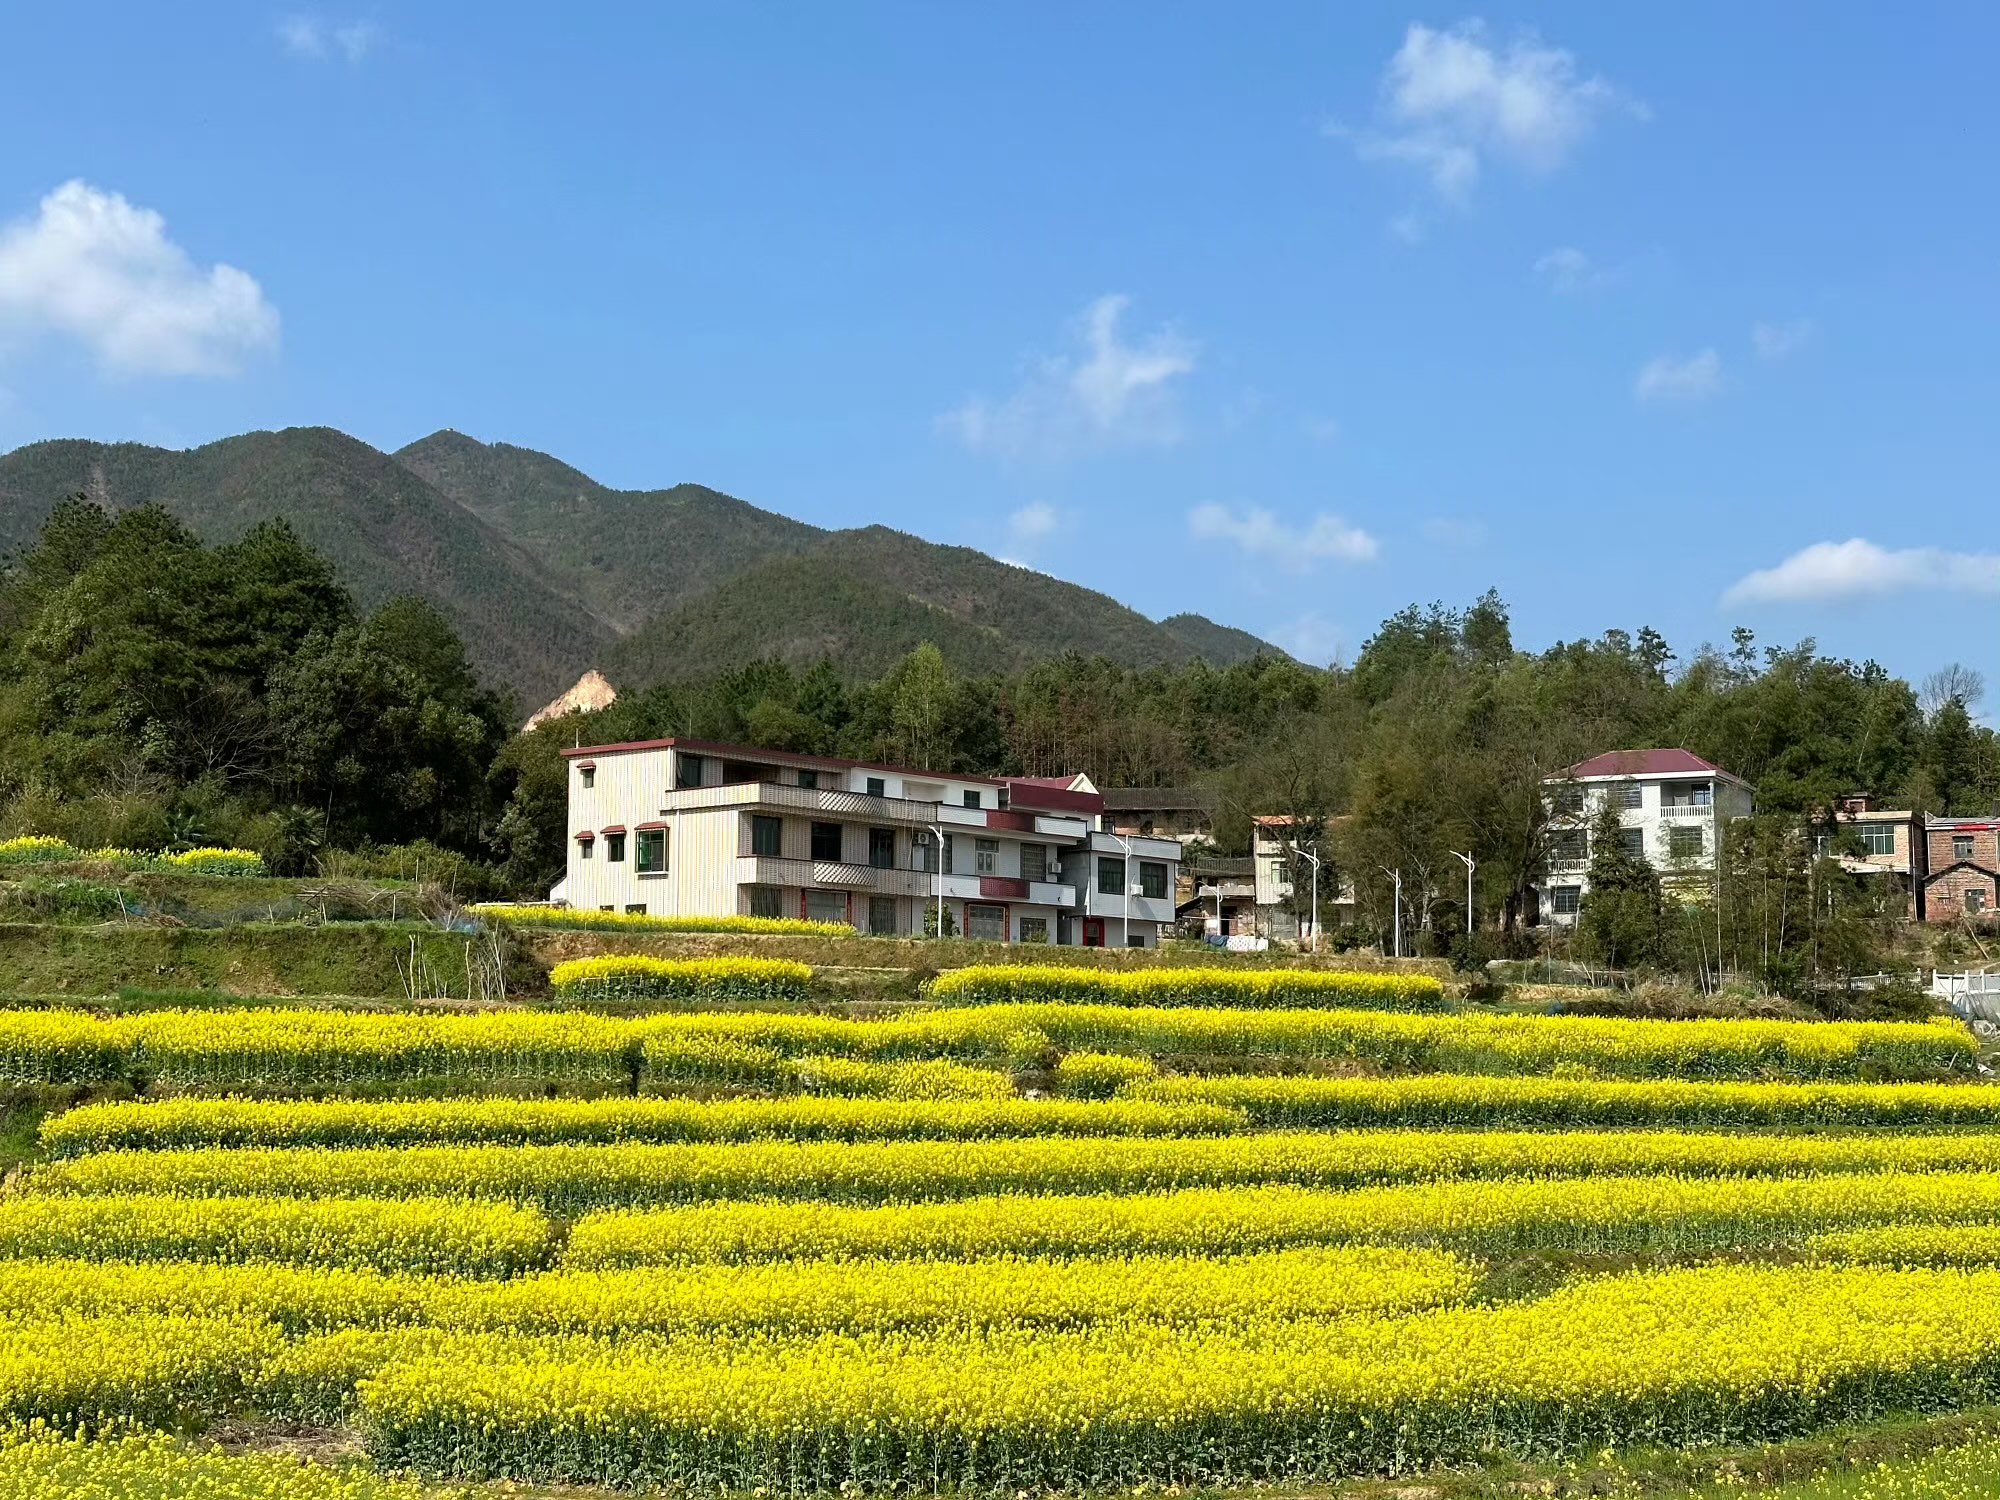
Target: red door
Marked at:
1093, 932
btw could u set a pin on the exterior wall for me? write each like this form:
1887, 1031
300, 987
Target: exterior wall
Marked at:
1945, 893
1122, 919
1982, 836
1664, 805
713, 867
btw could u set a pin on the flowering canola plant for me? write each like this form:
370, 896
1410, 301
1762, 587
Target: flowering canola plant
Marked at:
1000, 984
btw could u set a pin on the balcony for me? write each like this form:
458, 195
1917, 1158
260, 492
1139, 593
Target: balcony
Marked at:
827, 802
1137, 908
1683, 812
832, 875
1007, 888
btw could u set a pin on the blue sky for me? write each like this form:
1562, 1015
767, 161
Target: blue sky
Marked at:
1290, 314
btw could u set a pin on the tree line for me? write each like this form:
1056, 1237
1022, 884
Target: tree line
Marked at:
154, 690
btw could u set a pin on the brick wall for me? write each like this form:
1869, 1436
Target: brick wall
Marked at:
1985, 845
1944, 895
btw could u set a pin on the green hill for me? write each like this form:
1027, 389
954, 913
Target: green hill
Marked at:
546, 572
383, 527
628, 554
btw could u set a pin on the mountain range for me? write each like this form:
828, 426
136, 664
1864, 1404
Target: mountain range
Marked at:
546, 573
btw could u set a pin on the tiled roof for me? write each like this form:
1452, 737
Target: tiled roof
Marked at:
1158, 799
1646, 763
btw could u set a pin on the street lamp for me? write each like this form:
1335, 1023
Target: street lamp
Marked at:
936, 862
1467, 860
1124, 892
1308, 854
1397, 935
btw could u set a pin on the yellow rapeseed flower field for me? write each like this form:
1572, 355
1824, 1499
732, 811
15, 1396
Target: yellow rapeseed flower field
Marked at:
1001, 984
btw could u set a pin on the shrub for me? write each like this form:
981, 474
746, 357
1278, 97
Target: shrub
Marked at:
640, 977
1099, 1075
1000, 984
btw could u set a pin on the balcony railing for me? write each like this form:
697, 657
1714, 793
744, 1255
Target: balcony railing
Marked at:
826, 874
1686, 810
831, 802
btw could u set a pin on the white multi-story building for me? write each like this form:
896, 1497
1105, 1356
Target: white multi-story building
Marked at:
1672, 808
681, 827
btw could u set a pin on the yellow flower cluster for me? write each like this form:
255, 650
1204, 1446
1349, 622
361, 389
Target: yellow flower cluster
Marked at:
576, 919
292, 1049
1446, 1099
1713, 1356
1004, 984
1098, 1075
414, 1235
1505, 1217
1947, 1244
798, 1299
44, 1465
180, 1124
148, 1368
571, 1178
42, 848
638, 976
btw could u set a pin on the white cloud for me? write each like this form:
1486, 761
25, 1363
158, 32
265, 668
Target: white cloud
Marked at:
1859, 569
1667, 378
1028, 528
1448, 531
1106, 393
1258, 533
96, 268
1568, 269
309, 36
1776, 340
1324, 430
1312, 638
1452, 100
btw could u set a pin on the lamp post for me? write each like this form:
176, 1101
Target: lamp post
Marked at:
1467, 860
1397, 934
1308, 854
932, 837
1124, 891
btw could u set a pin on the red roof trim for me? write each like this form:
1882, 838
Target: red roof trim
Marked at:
776, 757
1039, 795
649, 827
586, 837
586, 765
1657, 762
614, 828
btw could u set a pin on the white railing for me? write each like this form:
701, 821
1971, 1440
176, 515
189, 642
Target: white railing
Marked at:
1687, 809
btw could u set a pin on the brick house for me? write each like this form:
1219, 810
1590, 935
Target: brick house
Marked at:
1963, 868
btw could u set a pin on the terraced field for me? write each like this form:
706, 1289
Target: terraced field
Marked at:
1012, 1244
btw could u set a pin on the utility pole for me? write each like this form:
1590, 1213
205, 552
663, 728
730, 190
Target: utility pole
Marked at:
1467, 860
1307, 854
1397, 877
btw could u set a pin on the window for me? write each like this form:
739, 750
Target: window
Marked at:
589, 775
635, 908
826, 906
1135, 940
1569, 846
687, 769
948, 843
986, 856
882, 848
1628, 795
877, 787
1877, 838
1686, 843
1110, 876
923, 853
607, 908
972, 799
1634, 841
1034, 861
1152, 880
766, 901
650, 853
882, 915
1569, 799
1034, 929
1704, 795
767, 836
809, 780
583, 848
614, 848
1961, 846
1565, 899
1975, 902
986, 924
826, 841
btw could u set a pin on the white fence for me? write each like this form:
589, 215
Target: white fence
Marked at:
1974, 996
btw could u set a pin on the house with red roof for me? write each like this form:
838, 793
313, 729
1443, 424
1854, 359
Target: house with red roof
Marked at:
1672, 807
